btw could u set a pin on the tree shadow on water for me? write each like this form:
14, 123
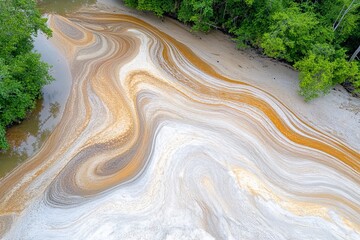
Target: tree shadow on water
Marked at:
27, 138
62, 6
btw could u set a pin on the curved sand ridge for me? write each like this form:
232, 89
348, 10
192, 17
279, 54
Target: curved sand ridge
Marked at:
156, 144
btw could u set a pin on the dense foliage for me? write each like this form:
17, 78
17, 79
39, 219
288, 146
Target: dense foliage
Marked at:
318, 37
22, 74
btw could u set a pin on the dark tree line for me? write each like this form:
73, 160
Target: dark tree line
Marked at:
320, 38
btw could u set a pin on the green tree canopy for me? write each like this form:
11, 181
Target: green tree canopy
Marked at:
318, 37
22, 73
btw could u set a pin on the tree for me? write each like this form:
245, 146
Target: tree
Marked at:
200, 13
159, 7
344, 11
355, 54
255, 20
293, 33
22, 74
318, 37
323, 68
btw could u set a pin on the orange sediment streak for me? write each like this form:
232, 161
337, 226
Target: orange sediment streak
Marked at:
333, 147
107, 133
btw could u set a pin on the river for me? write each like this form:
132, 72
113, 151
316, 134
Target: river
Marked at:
26, 138
144, 136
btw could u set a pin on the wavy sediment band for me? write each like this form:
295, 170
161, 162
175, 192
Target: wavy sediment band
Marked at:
154, 143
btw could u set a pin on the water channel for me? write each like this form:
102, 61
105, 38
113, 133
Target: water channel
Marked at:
27, 137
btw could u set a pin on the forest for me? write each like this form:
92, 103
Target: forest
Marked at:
22, 73
320, 38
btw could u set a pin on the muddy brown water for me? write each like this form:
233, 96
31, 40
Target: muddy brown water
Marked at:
27, 138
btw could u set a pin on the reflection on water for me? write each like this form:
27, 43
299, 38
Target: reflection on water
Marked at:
62, 6
27, 138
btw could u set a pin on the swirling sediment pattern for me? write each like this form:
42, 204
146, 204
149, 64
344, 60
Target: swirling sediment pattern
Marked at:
155, 144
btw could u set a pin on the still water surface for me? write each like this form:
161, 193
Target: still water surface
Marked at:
63, 6
27, 138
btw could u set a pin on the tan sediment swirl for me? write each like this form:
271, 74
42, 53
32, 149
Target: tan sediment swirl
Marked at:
154, 143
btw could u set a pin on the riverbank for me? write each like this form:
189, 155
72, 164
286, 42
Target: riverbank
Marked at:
337, 113
27, 137
154, 143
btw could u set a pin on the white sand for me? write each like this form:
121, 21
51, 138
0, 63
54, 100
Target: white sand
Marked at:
337, 113
141, 156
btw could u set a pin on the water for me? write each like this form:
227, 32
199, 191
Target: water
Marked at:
27, 138
61, 6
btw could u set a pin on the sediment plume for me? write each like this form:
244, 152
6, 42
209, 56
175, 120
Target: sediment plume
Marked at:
154, 144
